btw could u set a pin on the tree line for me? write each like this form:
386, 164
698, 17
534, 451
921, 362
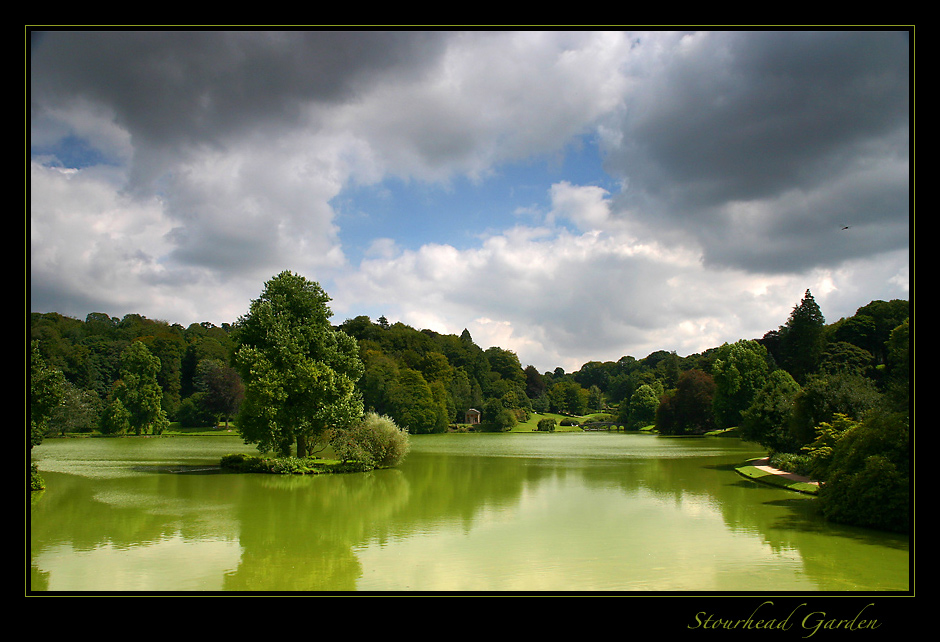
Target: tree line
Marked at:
798, 391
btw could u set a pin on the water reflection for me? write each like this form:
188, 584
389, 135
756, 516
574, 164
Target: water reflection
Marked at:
464, 512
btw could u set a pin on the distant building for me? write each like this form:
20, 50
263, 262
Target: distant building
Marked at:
472, 416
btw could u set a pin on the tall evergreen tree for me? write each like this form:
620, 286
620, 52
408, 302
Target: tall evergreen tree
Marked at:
803, 339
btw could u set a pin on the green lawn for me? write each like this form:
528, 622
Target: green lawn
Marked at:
752, 472
176, 429
532, 424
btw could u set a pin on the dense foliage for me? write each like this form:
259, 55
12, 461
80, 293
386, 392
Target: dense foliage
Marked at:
88, 357
374, 442
832, 397
299, 373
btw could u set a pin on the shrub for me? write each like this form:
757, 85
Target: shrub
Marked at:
243, 463
546, 425
869, 475
792, 463
375, 442
36, 481
821, 450
288, 466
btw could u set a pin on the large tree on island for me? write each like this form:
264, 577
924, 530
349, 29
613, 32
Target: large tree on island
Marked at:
299, 373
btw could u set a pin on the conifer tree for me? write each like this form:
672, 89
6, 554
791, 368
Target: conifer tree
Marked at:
803, 339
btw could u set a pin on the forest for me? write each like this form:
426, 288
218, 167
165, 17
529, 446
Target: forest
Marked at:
827, 399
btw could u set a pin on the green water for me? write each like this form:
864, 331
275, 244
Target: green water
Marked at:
465, 512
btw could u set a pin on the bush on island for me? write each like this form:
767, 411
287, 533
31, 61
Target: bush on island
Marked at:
375, 442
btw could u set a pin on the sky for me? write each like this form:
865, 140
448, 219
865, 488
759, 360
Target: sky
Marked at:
571, 196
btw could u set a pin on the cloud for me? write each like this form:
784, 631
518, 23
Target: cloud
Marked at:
490, 98
746, 142
174, 172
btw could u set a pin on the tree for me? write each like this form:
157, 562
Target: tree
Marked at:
886, 316
534, 383
868, 474
115, 419
46, 390
821, 450
823, 396
497, 417
803, 338
138, 390
842, 356
461, 391
689, 409
641, 410
505, 363
898, 367
380, 372
222, 387
766, 420
78, 411
859, 330
740, 371
414, 405
299, 373
194, 412
546, 425
568, 396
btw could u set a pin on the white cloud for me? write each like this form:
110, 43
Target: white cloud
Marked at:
491, 98
562, 298
585, 206
213, 161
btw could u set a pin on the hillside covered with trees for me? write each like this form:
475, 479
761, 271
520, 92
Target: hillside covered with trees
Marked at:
831, 399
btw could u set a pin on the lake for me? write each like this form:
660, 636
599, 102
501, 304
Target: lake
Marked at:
561, 512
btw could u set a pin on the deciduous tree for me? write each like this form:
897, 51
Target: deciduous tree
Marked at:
740, 371
414, 405
46, 387
689, 409
222, 387
868, 475
766, 420
299, 373
641, 410
138, 389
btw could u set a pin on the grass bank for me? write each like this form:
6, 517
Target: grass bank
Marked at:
752, 469
531, 425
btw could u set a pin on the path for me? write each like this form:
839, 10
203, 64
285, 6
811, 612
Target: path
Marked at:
764, 464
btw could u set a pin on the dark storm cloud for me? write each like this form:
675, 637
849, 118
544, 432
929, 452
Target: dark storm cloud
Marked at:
190, 87
734, 134
211, 120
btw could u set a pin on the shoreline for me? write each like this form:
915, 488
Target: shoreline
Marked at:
759, 470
